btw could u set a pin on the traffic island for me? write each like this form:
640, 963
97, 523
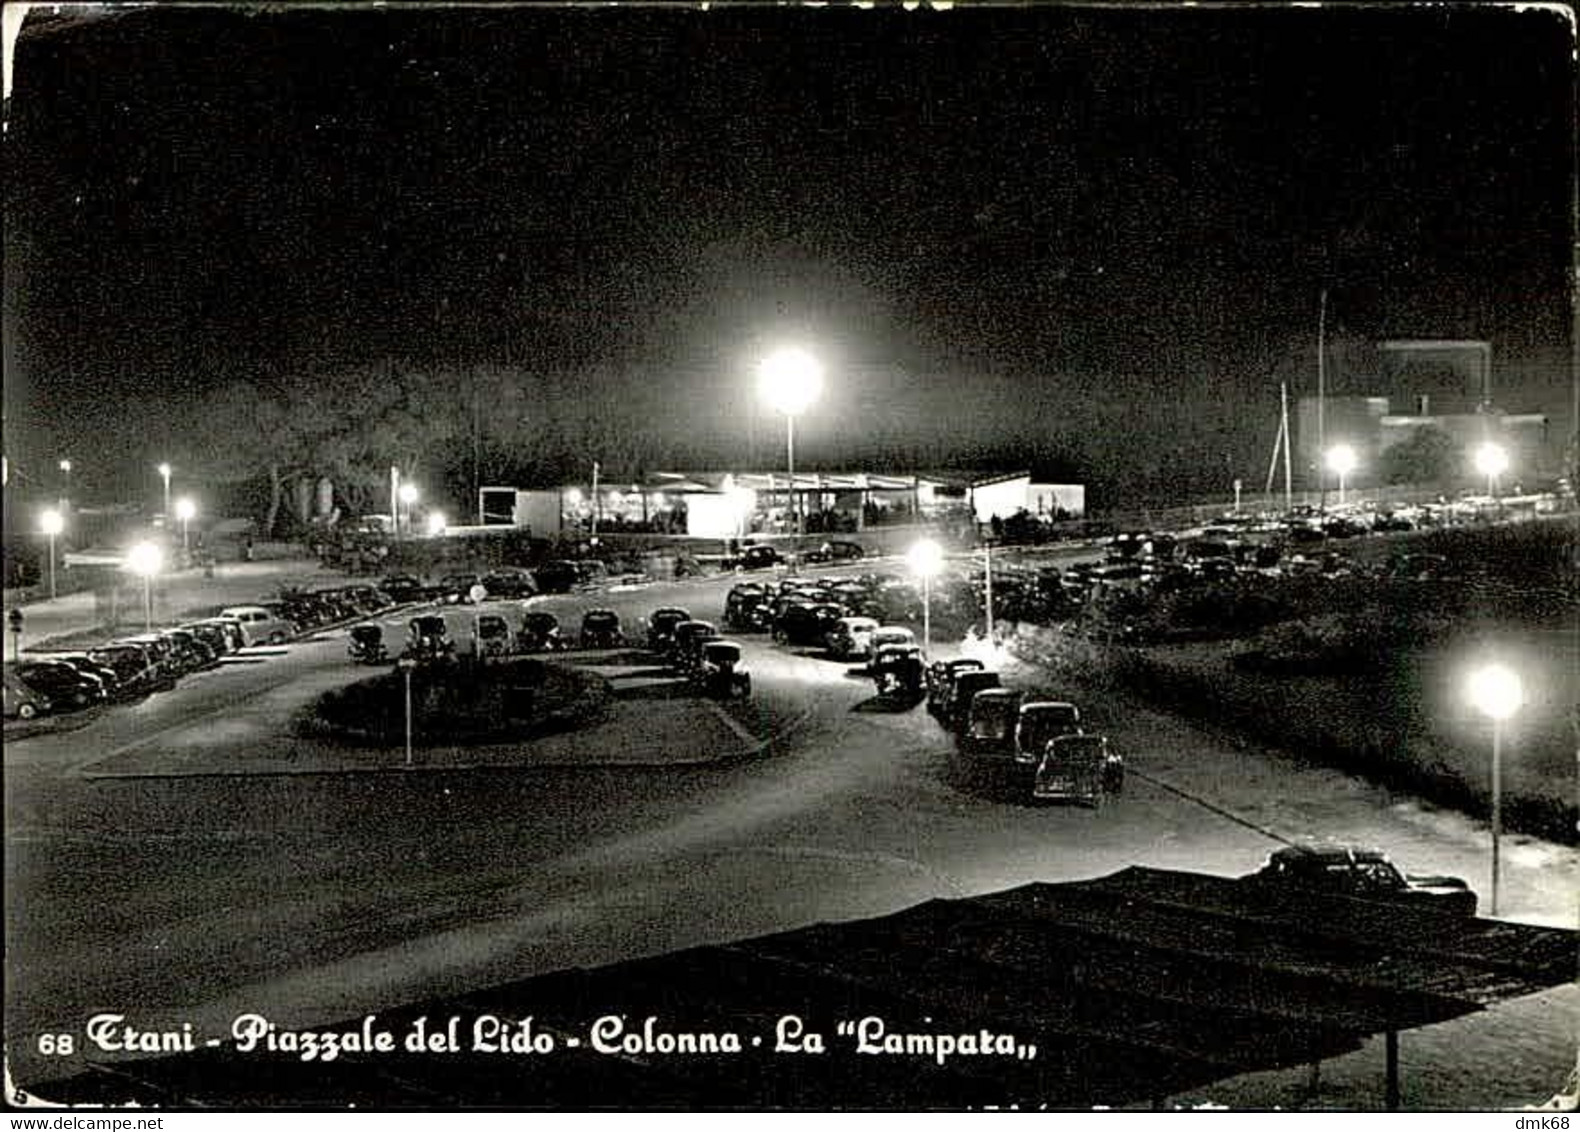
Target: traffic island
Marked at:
457, 703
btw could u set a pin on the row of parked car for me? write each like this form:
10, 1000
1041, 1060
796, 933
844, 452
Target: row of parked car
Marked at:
132, 666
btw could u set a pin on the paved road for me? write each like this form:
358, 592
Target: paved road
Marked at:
242, 883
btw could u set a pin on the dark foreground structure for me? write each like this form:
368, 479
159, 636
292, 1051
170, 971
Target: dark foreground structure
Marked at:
1117, 991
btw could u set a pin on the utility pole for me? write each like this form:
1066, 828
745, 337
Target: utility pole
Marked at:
597, 505
1322, 403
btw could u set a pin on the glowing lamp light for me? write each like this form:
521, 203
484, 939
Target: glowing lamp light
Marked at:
436, 523
1495, 691
1341, 459
926, 558
408, 493
146, 559
51, 523
185, 510
1491, 459
790, 380
573, 497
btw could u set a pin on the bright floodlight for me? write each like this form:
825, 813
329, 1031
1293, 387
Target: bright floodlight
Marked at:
1491, 459
408, 493
185, 510
164, 470
436, 523
1495, 691
145, 559
1341, 459
65, 466
51, 523
790, 380
926, 558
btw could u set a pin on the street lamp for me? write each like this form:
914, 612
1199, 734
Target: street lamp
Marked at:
1496, 692
51, 523
1492, 460
436, 523
789, 381
925, 559
145, 559
185, 510
164, 474
408, 496
1341, 462
65, 472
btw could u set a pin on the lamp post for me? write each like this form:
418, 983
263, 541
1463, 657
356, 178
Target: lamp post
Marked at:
146, 559
65, 484
1492, 460
790, 380
925, 559
1341, 461
408, 496
164, 474
987, 596
406, 665
185, 510
1496, 692
51, 523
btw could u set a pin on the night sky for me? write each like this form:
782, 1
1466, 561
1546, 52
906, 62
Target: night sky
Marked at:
1088, 240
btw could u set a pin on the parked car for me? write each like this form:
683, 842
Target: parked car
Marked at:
897, 671
720, 672
214, 635
754, 558
428, 639
509, 582
540, 632
557, 577
90, 667
989, 733
1361, 872
1080, 768
366, 644
661, 626
689, 661
403, 588
494, 637
192, 653
850, 638
682, 636
835, 551
132, 664
941, 675
21, 700
957, 709
260, 625
601, 630
885, 635
456, 588
1038, 723
61, 684
807, 623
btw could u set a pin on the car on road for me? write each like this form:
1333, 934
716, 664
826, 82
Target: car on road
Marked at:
804, 623
428, 639
1079, 768
494, 637
684, 633
456, 589
885, 635
21, 700
1362, 872
850, 638
90, 667
260, 625
720, 672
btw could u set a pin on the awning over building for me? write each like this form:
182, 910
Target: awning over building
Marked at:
1132, 988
